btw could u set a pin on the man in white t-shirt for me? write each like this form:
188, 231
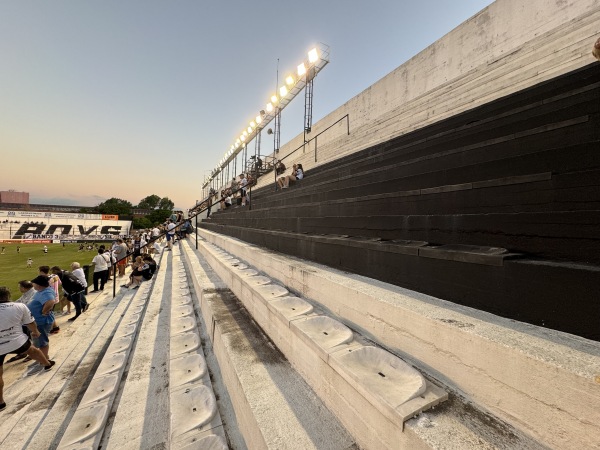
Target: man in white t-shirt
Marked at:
13, 316
170, 234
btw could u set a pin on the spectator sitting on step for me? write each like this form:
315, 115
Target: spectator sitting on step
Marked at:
596, 50
149, 267
135, 279
297, 174
156, 246
225, 199
280, 168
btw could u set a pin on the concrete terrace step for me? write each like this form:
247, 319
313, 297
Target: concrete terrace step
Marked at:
44, 408
86, 427
450, 425
493, 362
381, 383
167, 389
273, 406
451, 162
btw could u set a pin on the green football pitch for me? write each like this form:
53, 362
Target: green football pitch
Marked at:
13, 265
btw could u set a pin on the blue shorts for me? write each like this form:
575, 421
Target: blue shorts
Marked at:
169, 236
43, 340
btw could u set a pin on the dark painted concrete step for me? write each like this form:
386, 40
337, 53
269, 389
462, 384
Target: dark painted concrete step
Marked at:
558, 295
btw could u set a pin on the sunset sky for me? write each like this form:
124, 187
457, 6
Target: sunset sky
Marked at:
125, 99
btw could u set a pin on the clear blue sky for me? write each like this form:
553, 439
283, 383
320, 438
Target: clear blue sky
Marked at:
125, 99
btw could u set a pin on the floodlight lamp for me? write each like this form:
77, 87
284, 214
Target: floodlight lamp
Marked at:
243, 138
283, 91
237, 144
274, 99
301, 69
289, 80
249, 130
245, 134
258, 119
313, 56
232, 147
253, 124
269, 107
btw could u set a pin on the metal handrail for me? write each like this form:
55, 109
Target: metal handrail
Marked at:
347, 117
178, 224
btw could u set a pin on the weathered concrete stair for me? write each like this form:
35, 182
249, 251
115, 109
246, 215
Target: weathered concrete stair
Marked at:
500, 365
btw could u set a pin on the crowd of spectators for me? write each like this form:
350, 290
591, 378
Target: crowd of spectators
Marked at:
237, 193
27, 323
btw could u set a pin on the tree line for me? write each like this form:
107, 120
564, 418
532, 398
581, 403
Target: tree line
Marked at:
160, 208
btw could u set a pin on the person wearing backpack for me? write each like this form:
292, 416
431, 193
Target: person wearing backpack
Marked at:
74, 289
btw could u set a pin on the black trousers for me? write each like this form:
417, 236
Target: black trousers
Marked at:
100, 276
78, 301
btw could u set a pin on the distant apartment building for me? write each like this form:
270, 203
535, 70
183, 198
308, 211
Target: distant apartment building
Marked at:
14, 197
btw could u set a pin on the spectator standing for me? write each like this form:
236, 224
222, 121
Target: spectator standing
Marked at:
41, 306
80, 274
137, 245
54, 282
27, 292
100, 270
13, 317
170, 234
143, 242
121, 256
211, 195
107, 255
243, 184
74, 288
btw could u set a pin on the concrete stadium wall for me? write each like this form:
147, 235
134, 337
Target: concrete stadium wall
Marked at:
497, 34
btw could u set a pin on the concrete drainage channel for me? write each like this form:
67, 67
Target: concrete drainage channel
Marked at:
369, 390
118, 409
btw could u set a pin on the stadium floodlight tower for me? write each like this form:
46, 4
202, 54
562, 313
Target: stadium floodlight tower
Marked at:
317, 59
